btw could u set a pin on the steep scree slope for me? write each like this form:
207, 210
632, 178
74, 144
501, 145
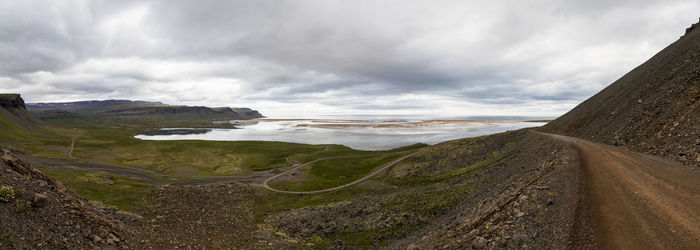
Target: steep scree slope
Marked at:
652, 109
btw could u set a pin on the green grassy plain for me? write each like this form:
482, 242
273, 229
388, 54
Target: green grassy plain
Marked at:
117, 146
112, 142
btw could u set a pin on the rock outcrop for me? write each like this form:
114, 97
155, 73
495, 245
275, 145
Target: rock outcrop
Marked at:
14, 115
12, 101
692, 27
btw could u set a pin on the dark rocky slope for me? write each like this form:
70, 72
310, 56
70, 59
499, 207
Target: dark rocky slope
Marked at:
652, 109
42, 213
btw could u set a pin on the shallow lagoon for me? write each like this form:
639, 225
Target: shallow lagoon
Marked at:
357, 134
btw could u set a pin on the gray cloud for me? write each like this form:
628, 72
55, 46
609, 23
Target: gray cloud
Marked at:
454, 57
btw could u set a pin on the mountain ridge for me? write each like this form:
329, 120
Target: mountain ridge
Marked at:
137, 110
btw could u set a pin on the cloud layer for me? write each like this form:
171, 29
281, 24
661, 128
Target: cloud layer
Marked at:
299, 58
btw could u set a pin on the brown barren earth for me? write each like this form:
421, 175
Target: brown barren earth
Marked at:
639, 201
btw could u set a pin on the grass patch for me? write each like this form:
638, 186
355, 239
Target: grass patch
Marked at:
269, 202
335, 172
18, 208
7, 194
108, 190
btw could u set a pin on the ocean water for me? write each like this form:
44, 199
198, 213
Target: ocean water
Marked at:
377, 134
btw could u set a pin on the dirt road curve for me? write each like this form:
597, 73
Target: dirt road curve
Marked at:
639, 201
382, 168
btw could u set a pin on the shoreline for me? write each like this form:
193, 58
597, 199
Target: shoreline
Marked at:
395, 123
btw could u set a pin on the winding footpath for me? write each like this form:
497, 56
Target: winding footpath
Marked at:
639, 201
382, 168
72, 146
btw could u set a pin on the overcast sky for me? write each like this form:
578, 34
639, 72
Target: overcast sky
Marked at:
301, 58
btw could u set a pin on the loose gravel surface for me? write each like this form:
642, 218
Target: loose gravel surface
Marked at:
640, 201
199, 216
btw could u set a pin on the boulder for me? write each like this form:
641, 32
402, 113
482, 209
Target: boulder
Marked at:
479, 242
40, 200
521, 239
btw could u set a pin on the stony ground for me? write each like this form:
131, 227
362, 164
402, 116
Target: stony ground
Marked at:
200, 216
529, 201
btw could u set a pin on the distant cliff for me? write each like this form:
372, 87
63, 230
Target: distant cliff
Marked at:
83, 106
11, 101
246, 112
136, 110
14, 115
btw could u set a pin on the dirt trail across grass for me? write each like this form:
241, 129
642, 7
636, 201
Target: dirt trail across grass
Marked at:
382, 168
639, 201
72, 146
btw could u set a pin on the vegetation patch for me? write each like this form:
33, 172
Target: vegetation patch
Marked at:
338, 171
19, 207
108, 190
7, 194
413, 193
270, 203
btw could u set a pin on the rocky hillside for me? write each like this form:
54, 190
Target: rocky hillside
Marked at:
39, 212
513, 190
136, 110
14, 115
652, 109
